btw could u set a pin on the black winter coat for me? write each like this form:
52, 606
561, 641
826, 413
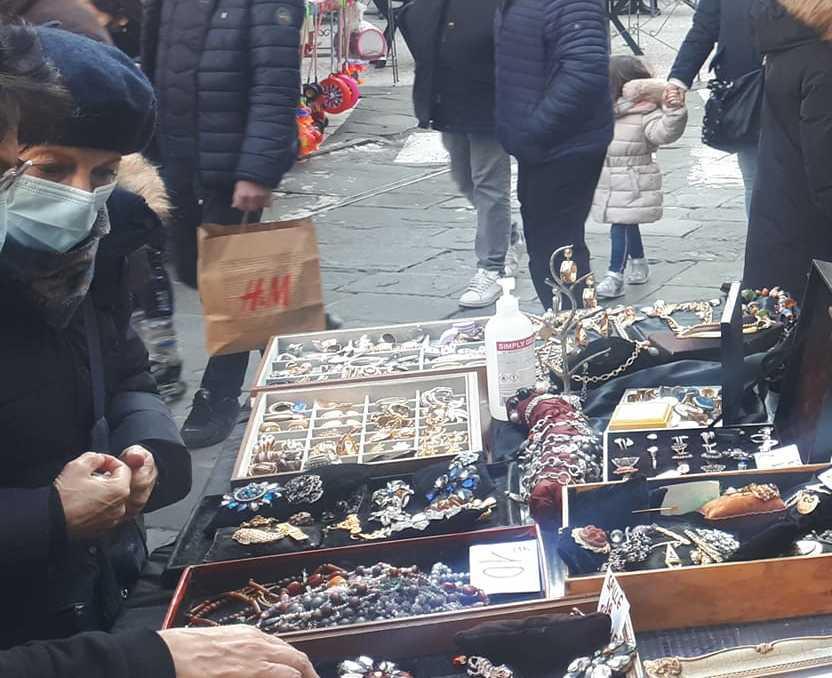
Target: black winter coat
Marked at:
46, 415
134, 654
791, 210
553, 94
247, 86
452, 42
726, 25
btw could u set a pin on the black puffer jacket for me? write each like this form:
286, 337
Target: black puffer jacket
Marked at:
791, 211
553, 86
46, 417
452, 42
726, 25
247, 63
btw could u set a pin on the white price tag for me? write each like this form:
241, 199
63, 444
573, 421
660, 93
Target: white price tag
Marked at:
782, 457
613, 602
826, 478
512, 567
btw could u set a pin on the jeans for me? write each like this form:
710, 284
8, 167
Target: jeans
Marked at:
482, 171
625, 241
747, 159
224, 374
555, 199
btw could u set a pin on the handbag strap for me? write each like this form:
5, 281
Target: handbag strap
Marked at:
100, 432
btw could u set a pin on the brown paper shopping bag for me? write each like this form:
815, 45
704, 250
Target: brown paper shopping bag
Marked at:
258, 280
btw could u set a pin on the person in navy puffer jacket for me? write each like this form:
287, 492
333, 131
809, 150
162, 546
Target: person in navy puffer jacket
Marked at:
554, 114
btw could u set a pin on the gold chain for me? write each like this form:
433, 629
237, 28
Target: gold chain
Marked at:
555, 363
703, 309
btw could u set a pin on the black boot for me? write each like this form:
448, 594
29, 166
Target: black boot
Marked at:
211, 420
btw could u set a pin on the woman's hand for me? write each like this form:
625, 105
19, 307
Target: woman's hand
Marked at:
94, 489
143, 477
231, 651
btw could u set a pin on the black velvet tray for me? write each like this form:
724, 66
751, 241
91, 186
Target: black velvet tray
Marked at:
199, 544
613, 506
727, 438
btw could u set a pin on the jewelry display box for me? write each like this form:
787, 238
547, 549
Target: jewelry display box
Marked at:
666, 407
413, 346
205, 581
718, 593
358, 405
804, 414
688, 451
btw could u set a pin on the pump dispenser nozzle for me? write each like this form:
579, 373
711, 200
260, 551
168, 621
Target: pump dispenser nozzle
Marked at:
507, 303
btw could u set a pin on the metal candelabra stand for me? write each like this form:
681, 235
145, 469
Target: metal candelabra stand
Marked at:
565, 282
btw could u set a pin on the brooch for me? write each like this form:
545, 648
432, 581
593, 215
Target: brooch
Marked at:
460, 480
304, 490
366, 667
251, 497
480, 667
615, 658
260, 530
591, 538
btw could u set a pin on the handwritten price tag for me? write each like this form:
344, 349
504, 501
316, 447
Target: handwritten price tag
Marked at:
613, 602
513, 567
782, 457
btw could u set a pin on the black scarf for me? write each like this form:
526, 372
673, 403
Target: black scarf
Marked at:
53, 285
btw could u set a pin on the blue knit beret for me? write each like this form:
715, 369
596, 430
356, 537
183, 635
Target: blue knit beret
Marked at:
114, 103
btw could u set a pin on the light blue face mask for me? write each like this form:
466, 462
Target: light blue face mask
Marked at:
50, 217
7, 180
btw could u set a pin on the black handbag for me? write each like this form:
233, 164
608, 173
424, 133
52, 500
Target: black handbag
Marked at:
732, 114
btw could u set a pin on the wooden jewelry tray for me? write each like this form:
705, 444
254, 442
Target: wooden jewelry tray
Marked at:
280, 344
363, 396
204, 581
722, 593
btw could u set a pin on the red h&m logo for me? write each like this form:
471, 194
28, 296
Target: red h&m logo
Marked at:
264, 294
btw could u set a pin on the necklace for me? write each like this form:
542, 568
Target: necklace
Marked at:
704, 310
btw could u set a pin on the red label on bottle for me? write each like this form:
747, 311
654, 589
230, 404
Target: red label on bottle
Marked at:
515, 345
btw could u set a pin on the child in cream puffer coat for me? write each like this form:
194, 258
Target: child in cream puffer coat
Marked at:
649, 113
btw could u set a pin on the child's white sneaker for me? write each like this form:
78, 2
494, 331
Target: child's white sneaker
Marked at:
611, 287
638, 272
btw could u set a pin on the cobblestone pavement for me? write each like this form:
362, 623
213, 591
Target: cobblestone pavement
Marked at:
396, 239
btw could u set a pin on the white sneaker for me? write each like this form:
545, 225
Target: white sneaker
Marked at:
638, 272
514, 256
611, 287
482, 290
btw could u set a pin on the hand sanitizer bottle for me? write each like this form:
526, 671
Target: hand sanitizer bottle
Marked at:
509, 350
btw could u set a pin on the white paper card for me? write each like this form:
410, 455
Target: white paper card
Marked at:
613, 602
512, 567
782, 457
826, 478
688, 497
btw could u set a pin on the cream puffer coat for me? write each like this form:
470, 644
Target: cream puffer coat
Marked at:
630, 188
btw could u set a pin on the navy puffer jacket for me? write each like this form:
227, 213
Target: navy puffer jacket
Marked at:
247, 84
553, 96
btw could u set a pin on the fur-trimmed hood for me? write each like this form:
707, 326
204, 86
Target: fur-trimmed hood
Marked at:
139, 176
816, 14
